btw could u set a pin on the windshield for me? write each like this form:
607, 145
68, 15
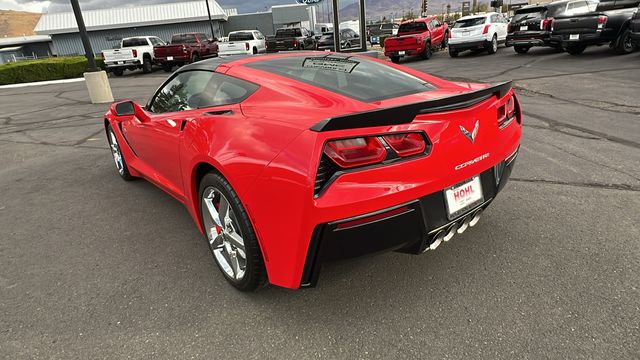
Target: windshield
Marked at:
412, 26
131, 42
468, 22
286, 33
357, 78
244, 36
183, 39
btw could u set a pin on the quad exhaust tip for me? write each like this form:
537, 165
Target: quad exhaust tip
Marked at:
447, 234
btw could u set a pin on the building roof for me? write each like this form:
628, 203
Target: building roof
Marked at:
131, 16
19, 40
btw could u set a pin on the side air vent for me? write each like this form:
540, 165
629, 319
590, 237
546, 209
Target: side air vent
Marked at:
326, 169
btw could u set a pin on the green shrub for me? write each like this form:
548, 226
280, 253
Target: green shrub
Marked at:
44, 69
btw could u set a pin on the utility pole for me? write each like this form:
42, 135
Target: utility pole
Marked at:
213, 34
96, 79
88, 52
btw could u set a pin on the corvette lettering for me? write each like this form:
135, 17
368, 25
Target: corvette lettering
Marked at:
471, 162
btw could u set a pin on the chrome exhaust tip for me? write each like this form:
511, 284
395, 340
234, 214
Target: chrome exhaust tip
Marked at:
437, 240
465, 224
475, 218
450, 232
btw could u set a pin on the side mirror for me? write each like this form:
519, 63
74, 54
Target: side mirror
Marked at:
356, 35
125, 108
439, 25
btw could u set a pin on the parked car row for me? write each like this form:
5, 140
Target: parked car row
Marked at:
566, 25
573, 25
142, 52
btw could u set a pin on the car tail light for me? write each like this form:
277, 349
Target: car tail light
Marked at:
246, 46
546, 24
602, 21
449, 34
102, 55
486, 29
296, 42
508, 112
348, 153
184, 49
406, 144
509, 27
134, 52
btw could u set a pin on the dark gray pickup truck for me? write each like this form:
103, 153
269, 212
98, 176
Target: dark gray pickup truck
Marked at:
607, 24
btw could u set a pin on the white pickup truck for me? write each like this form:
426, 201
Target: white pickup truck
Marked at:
243, 42
134, 53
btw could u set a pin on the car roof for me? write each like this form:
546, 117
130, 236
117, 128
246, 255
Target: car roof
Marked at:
468, 17
423, 19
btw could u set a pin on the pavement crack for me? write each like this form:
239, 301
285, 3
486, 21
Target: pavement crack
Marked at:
625, 109
555, 125
593, 185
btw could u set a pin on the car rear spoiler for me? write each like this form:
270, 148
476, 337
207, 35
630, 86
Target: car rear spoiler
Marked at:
405, 114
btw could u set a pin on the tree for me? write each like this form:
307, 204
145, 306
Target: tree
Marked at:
410, 15
483, 7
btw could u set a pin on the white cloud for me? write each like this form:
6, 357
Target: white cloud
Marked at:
31, 6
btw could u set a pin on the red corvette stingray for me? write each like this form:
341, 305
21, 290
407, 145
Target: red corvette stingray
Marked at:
286, 161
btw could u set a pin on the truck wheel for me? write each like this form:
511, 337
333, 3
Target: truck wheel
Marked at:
426, 54
576, 49
453, 53
492, 47
167, 67
624, 43
146, 65
395, 59
195, 58
521, 49
118, 72
255, 51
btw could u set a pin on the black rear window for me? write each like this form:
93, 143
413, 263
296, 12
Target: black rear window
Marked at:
529, 14
133, 42
469, 22
240, 36
287, 33
184, 39
412, 26
357, 78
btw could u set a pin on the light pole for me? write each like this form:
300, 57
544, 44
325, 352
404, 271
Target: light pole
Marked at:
96, 79
210, 21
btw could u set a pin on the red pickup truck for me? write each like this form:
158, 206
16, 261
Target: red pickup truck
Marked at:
417, 37
185, 48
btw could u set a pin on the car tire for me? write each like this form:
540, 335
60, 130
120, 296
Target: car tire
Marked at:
147, 66
167, 67
445, 41
576, 49
558, 48
230, 236
255, 50
492, 47
624, 43
195, 58
521, 49
395, 59
118, 72
453, 53
116, 153
426, 54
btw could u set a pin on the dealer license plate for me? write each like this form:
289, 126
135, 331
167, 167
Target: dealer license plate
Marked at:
170, 58
524, 28
401, 53
465, 33
574, 37
463, 197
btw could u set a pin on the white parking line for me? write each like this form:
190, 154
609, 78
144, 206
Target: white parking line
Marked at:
40, 83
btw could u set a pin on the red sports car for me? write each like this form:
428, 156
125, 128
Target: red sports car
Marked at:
286, 161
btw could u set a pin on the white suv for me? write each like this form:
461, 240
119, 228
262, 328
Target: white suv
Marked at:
478, 32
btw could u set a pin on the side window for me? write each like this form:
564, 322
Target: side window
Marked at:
493, 19
197, 89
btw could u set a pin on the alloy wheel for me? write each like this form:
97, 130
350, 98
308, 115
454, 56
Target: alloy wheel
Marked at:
224, 235
115, 151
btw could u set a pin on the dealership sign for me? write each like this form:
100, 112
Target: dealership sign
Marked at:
308, 2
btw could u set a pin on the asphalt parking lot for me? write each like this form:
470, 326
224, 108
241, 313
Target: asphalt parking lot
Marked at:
95, 267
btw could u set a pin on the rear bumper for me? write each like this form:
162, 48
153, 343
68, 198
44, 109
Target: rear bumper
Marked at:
178, 59
411, 228
586, 39
534, 40
122, 64
635, 36
478, 44
417, 50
